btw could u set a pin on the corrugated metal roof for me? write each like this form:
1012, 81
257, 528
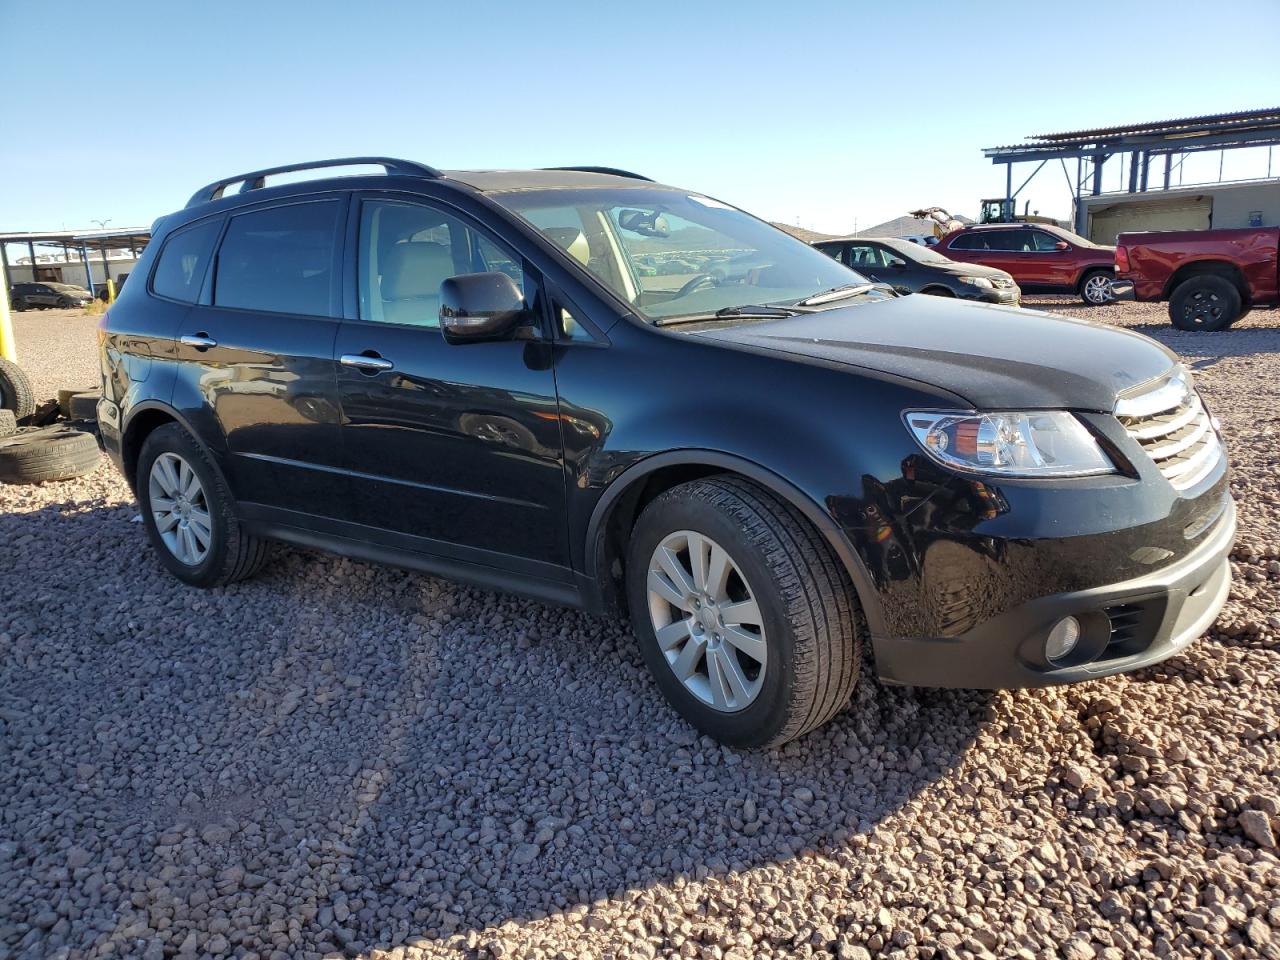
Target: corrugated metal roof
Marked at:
1262, 117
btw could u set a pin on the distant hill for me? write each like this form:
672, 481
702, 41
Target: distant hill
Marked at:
904, 227
800, 233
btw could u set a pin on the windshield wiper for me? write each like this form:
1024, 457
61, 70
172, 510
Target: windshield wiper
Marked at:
838, 293
748, 311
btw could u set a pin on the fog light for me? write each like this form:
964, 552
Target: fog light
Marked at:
1062, 639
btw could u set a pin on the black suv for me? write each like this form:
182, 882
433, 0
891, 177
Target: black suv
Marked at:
593, 389
28, 296
912, 268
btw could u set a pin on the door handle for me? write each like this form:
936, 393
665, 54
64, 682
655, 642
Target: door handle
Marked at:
201, 341
362, 362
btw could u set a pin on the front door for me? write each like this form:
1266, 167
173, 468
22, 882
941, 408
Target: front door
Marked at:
258, 353
452, 450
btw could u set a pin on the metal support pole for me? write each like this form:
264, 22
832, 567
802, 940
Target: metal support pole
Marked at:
1098, 160
8, 347
1133, 173
88, 270
1078, 211
31, 252
1006, 214
1168, 168
106, 273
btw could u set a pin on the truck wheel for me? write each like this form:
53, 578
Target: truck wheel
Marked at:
54, 453
1204, 302
1095, 288
15, 390
744, 615
190, 514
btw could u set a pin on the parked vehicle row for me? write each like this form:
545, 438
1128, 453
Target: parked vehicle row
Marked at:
1211, 278
763, 458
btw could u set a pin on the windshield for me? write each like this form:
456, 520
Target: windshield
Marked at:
917, 252
673, 254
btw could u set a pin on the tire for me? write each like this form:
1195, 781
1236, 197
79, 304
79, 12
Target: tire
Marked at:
807, 612
1205, 302
15, 390
84, 406
54, 453
1095, 288
230, 554
64, 303
8, 423
64, 399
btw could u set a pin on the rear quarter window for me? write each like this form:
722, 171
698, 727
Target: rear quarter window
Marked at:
183, 262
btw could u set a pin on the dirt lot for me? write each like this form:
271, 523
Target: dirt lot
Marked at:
342, 758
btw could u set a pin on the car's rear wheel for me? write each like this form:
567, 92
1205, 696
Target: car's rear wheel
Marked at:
744, 614
1205, 302
1096, 288
190, 514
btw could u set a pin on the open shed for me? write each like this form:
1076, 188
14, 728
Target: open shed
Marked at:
80, 257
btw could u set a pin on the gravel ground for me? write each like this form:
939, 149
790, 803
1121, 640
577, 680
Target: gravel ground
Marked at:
348, 759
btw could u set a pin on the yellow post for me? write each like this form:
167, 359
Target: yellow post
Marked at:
111, 291
8, 348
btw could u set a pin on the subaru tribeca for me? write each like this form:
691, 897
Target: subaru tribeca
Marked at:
586, 387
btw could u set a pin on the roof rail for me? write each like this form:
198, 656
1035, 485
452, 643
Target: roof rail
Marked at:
256, 180
611, 171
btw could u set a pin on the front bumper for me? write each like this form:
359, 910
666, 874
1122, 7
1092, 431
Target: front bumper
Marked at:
1126, 626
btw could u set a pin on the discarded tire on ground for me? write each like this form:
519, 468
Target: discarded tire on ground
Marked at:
84, 406
8, 423
53, 453
15, 390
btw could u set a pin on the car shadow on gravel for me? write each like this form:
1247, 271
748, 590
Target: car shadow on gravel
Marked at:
382, 754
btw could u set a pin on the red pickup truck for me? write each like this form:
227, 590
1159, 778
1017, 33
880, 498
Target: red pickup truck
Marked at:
1211, 278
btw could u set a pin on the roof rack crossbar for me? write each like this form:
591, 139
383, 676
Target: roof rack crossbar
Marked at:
256, 179
612, 171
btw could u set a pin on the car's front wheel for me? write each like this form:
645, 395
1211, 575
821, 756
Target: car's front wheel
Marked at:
744, 614
190, 514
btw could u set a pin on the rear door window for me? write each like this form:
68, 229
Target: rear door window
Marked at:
281, 260
184, 261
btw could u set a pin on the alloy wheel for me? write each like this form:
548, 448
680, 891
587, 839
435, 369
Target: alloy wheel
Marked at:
180, 509
1097, 290
707, 621
1203, 308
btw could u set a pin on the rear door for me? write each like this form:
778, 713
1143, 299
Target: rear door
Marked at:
453, 450
256, 354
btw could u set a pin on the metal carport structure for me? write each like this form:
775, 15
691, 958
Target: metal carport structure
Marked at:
1172, 140
83, 242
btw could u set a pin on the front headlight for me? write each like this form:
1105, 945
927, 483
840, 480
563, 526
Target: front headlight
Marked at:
1053, 444
977, 282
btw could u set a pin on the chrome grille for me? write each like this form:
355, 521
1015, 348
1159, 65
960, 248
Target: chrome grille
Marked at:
1171, 424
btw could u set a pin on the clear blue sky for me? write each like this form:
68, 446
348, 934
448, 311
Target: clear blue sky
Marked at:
821, 113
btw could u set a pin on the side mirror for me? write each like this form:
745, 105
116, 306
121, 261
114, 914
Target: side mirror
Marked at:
1061, 245
480, 306
899, 264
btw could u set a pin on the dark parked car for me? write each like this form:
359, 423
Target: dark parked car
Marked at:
1041, 257
912, 268
39, 296
766, 465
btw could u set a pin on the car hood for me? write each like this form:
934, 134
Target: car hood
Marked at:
969, 270
994, 357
